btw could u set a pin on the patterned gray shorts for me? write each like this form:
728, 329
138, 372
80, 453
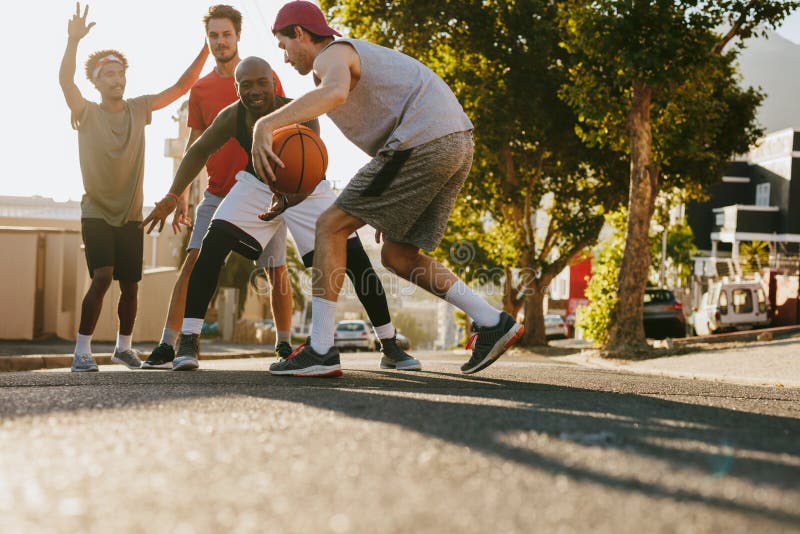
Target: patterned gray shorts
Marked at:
408, 194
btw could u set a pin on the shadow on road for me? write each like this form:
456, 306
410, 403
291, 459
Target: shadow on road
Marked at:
486, 413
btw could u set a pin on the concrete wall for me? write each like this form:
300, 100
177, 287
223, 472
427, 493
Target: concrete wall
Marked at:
154, 294
18, 283
44, 279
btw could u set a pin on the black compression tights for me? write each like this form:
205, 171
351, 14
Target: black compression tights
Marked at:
205, 274
218, 244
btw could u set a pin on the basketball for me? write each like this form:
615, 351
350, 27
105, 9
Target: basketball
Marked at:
305, 158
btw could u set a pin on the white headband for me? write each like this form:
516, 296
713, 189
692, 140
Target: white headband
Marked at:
102, 62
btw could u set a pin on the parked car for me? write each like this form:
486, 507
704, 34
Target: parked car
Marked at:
555, 326
570, 322
731, 306
354, 334
663, 314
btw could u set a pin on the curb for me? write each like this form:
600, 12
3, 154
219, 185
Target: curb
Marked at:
777, 332
10, 364
593, 362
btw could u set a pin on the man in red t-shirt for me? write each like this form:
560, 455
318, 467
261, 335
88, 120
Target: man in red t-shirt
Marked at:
209, 95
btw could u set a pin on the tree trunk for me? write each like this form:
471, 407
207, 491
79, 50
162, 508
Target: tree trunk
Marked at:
626, 333
511, 302
534, 316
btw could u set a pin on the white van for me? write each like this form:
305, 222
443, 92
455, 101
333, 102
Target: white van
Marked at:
731, 306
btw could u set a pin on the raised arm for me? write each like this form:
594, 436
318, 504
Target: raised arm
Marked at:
333, 69
184, 83
76, 30
211, 140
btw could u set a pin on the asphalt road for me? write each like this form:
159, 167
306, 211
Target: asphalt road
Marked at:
528, 445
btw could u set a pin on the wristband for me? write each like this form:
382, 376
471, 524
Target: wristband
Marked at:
285, 202
173, 196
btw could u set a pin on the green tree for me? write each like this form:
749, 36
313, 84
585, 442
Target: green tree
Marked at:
680, 250
651, 78
754, 257
537, 194
601, 292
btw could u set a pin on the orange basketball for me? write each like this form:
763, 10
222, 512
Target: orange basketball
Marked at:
305, 158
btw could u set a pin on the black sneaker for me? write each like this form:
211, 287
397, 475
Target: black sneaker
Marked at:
490, 342
160, 358
283, 350
188, 353
396, 358
304, 361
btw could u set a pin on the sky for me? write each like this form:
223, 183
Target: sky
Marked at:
160, 39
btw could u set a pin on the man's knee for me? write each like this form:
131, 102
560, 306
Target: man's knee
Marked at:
128, 290
398, 257
102, 278
334, 221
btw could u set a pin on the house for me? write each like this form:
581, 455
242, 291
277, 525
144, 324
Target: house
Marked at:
757, 200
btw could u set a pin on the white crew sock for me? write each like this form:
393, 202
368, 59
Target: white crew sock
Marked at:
386, 331
323, 322
169, 336
124, 342
83, 345
463, 298
191, 326
284, 335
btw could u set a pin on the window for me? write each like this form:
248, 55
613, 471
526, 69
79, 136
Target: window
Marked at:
762, 194
350, 327
762, 301
658, 296
742, 301
723, 302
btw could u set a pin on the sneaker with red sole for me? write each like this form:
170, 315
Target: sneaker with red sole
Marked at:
305, 361
488, 343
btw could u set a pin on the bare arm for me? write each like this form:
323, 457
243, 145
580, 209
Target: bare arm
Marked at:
76, 30
333, 69
184, 83
211, 140
181, 215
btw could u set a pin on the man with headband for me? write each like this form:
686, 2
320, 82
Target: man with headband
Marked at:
111, 152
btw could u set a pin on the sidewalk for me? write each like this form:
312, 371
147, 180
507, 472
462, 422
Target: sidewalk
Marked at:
54, 354
770, 363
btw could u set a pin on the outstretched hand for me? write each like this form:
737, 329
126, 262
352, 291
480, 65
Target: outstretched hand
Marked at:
278, 206
77, 27
262, 153
159, 214
181, 216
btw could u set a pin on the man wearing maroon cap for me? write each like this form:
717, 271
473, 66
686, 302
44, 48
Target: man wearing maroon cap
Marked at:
403, 115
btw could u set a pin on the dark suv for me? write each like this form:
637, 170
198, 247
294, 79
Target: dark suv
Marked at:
663, 314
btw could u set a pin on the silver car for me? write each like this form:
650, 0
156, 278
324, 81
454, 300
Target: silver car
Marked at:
354, 334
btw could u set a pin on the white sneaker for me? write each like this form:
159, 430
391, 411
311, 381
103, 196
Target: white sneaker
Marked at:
83, 363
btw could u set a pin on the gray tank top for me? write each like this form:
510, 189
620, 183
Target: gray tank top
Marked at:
398, 103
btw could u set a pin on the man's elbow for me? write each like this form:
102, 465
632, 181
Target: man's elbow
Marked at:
338, 96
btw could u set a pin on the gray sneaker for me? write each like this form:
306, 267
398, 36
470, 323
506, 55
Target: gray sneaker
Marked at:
83, 363
188, 353
305, 361
490, 342
129, 358
396, 358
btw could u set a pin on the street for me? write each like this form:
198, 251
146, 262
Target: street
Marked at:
529, 445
